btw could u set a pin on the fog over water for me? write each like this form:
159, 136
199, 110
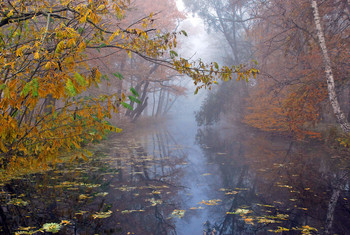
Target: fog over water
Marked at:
199, 169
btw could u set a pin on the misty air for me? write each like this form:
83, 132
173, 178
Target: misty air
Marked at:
174, 117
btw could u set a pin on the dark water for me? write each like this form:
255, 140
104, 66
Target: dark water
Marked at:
176, 179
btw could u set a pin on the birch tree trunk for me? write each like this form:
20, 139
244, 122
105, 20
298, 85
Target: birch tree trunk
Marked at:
338, 184
329, 74
331, 209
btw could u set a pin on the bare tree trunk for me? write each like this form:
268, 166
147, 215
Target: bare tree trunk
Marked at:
338, 185
139, 110
154, 103
166, 103
160, 102
329, 74
331, 209
171, 105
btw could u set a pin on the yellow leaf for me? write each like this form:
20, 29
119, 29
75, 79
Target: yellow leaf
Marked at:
84, 157
36, 55
10, 13
48, 65
249, 221
60, 47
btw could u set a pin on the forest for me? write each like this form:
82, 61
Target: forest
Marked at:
303, 63
108, 114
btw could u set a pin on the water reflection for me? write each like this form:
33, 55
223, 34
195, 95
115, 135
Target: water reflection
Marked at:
271, 184
130, 185
233, 181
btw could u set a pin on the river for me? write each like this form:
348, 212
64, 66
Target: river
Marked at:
175, 178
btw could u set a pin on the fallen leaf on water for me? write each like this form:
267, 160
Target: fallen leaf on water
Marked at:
102, 215
131, 211
82, 197
242, 211
210, 202
178, 213
231, 193
102, 194
249, 221
80, 212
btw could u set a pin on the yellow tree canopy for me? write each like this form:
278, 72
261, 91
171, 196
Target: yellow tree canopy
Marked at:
44, 69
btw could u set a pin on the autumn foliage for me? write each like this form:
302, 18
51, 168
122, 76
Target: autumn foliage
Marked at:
45, 71
291, 95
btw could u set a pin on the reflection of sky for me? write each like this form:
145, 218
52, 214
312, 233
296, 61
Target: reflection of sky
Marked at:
184, 129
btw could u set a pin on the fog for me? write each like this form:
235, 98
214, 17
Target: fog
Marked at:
102, 130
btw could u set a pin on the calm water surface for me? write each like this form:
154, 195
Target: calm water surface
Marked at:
177, 179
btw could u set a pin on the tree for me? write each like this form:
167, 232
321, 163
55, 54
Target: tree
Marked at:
146, 77
229, 19
291, 87
231, 22
44, 70
328, 70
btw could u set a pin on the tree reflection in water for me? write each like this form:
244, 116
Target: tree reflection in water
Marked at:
272, 184
242, 183
128, 185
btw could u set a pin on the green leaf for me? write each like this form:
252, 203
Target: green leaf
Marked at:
173, 54
15, 113
196, 91
118, 75
133, 90
31, 86
26, 25
81, 30
216, 65
127, 106
102, 45
80, 79
54, 115
35, 88
105, 77
2, 87
70, 88
134, 99
26, 89
103, 98
183, 32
